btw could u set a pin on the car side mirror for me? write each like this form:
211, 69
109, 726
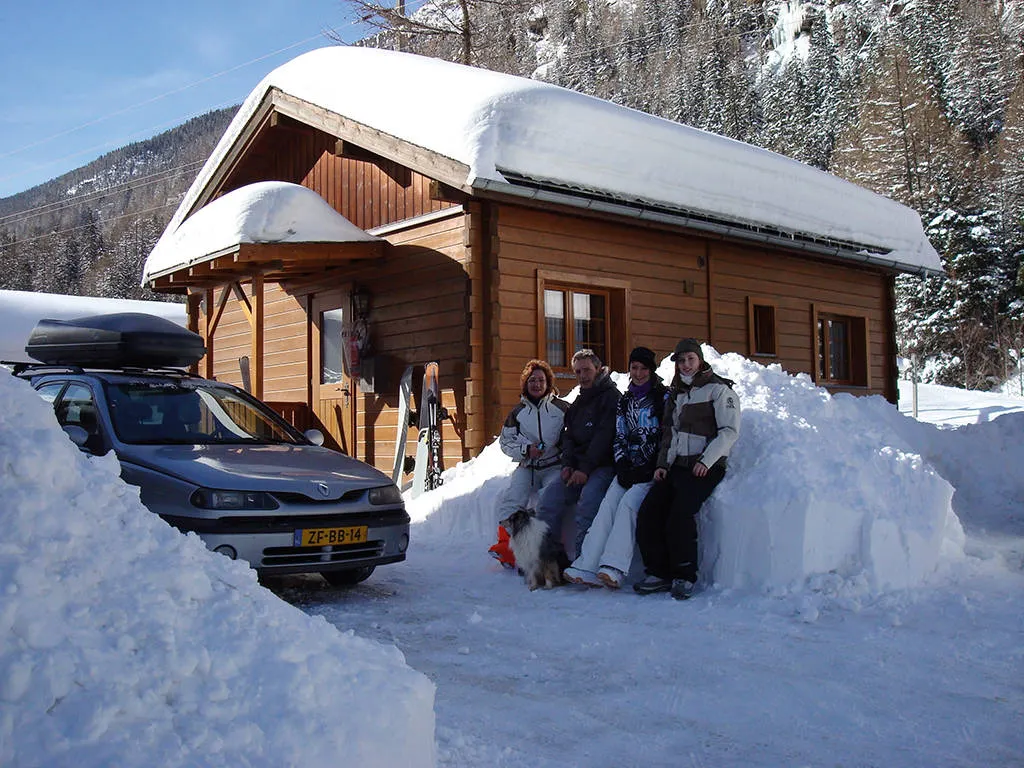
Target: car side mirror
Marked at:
315, 436
77, 434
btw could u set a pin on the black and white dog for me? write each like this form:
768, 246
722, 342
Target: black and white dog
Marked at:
536, 555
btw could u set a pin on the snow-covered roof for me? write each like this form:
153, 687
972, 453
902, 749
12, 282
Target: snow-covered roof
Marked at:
501, 128
264, 212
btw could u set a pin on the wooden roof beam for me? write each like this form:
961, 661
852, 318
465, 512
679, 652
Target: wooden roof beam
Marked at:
424, 161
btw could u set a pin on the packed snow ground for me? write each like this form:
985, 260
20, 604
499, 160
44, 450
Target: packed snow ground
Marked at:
833, 667
900, 645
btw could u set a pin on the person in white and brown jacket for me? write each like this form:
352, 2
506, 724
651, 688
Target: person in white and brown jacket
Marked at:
700, 424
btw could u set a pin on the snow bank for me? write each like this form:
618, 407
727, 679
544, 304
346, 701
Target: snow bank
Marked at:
817, 485
982, 460
126, 643
822, 485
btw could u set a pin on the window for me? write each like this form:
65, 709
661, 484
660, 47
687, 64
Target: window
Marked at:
76, 407
761, 322
574, 319
331, 335
581, 311
49, 392
842, 349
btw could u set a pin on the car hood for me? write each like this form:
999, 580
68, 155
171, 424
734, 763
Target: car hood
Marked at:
296, 468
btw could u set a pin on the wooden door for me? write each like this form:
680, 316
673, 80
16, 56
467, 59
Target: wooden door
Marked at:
333, 396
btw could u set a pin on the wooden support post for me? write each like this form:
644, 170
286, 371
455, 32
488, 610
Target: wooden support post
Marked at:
212, 316
256, 321
193, 303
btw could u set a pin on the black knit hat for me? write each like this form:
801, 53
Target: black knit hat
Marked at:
687, 345
644, 356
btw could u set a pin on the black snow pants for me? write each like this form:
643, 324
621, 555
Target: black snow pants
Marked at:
666, 524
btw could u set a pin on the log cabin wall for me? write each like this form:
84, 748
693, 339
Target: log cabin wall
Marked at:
366, 189
796, 287
673, 285
420, 299
285, 363
656, 281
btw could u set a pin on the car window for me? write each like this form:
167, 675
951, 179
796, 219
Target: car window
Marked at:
77, 407
190, 412
50, 391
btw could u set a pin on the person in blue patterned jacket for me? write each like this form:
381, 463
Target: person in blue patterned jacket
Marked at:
607, 550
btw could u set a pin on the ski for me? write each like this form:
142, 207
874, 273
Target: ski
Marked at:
402, 433
427, 470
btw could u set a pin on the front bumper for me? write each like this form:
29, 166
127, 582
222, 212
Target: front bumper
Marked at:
268, 543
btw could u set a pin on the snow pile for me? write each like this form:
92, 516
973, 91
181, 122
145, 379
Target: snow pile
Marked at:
951, 407
264, 212
822, 484
495, 125
982, 460
21, 310
126, 643
817, 485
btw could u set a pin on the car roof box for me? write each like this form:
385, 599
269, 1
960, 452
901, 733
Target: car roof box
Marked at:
118, 340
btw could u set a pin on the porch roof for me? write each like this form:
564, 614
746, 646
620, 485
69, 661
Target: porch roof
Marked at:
273, 228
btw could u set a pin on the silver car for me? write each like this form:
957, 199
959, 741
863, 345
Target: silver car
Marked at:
210, 458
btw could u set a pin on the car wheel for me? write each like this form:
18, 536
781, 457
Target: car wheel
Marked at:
349, 577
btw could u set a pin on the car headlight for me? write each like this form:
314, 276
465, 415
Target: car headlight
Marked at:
386, 494
206, 498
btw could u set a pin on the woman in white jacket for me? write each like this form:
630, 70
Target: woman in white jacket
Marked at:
532, 435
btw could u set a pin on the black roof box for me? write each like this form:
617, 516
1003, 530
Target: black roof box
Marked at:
119, 340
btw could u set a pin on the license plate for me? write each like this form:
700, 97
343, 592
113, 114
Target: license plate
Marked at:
324, 537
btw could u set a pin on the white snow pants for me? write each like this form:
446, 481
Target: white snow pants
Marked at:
522, 484
612, 535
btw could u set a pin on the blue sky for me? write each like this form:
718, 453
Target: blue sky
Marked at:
81, 79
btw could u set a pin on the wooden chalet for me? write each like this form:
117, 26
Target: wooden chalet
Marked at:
483, 267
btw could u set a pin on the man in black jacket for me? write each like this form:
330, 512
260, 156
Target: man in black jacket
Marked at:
588, 467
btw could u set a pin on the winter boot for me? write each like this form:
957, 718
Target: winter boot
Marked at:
681, 589
652, 584
501, 551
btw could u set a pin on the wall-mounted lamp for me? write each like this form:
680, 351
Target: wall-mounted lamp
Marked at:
360, 297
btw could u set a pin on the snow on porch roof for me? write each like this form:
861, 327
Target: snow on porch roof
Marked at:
264, 212
503, 128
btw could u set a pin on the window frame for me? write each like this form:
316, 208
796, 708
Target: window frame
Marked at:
857, 344
753, 304
617, 315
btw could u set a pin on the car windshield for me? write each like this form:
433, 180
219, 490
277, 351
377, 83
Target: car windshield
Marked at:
193, 413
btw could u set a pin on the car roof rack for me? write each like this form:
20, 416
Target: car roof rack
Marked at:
19, 368
40, 368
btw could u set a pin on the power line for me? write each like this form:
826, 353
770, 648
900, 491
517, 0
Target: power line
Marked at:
101, 118
140, 135
134, 214
85, 197
121, 111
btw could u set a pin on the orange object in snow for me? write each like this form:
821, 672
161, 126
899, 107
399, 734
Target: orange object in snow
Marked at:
501, 551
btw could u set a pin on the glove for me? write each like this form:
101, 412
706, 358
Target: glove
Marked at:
624, 473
